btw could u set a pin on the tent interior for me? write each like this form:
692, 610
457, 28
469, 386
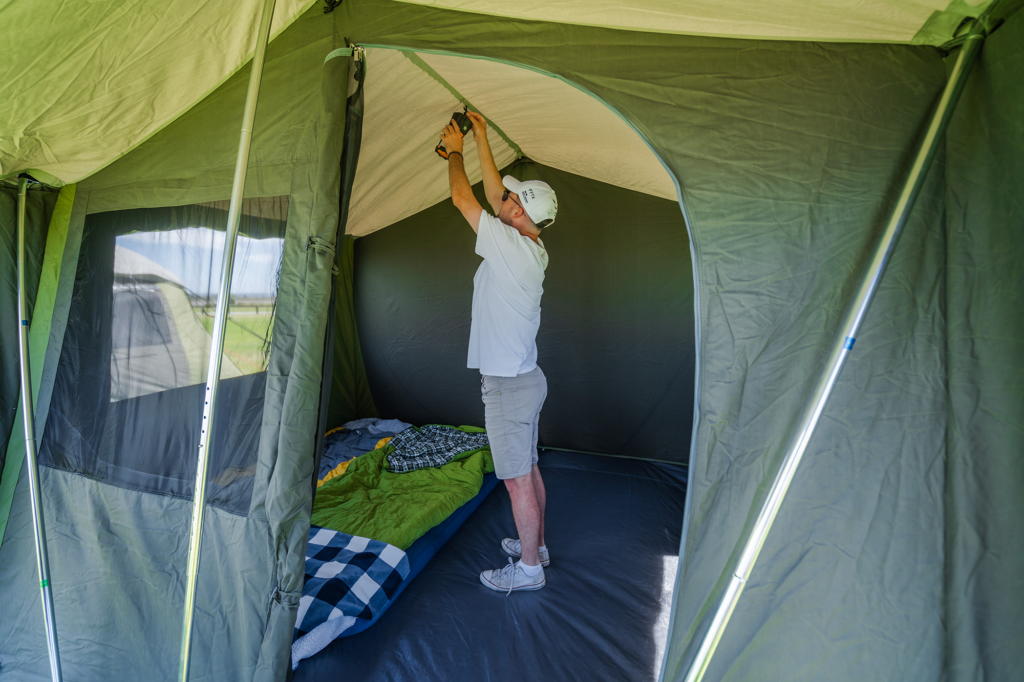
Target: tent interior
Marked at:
723, 171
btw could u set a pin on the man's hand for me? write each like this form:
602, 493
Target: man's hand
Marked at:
451, 138
479, 126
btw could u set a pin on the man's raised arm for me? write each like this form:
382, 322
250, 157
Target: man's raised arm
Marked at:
462, 192
493, 188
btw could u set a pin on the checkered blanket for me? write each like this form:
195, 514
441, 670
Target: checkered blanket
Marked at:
431, 446
347, 578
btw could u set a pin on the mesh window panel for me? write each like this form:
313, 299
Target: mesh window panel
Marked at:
128, 396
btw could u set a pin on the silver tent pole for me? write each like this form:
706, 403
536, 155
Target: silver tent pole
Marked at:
29, 419
840, 350
217, 344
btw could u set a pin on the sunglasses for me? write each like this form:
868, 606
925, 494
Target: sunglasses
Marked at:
505, 196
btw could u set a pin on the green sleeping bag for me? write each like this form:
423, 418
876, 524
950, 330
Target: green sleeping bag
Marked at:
397, 508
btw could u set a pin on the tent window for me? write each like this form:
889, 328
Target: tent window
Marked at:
139, 317
165, 292
128, 394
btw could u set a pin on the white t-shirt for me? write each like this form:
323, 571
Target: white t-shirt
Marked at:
506, 300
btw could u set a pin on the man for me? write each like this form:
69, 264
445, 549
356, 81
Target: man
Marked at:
502, 340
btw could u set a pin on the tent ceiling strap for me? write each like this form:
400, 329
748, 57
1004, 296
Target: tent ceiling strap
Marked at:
336, 54
426, 68
217, 342
321, 245
842, 347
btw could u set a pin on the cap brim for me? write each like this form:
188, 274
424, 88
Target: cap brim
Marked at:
511, 184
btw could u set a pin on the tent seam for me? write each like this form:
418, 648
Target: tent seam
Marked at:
426, 68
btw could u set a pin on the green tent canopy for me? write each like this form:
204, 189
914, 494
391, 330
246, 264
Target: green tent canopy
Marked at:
724, 170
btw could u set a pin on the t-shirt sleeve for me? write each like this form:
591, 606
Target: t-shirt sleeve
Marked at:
510, 259
493, 239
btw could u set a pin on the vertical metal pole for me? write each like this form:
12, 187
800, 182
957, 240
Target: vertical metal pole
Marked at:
217, 344
29, 419
840, 350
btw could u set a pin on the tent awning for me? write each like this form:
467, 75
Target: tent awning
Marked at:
84, 84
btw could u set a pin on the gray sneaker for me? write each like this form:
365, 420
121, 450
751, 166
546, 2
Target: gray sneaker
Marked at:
513, 548
512, 578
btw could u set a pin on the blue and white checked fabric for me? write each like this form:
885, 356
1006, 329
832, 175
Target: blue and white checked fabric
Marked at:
347, 575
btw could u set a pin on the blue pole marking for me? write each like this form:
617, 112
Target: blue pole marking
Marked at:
849, 343
24, 323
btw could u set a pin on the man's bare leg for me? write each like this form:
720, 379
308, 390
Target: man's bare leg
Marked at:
541, 494
527, 515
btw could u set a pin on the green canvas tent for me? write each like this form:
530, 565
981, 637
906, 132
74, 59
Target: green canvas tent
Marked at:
726, 170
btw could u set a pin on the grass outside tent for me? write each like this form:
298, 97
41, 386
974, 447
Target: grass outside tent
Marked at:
245, 336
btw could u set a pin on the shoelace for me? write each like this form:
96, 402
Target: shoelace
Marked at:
510, 573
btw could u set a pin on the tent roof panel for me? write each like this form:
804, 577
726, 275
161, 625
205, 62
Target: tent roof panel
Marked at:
406, 106
532, 109
832, 20
82, 85
399, 174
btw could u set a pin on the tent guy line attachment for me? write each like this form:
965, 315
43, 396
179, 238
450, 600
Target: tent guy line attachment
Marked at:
29, 420
840, 350
217, 343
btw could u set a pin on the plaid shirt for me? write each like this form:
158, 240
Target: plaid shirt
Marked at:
431, 446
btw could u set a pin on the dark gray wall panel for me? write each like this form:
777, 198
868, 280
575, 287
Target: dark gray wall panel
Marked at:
985, 334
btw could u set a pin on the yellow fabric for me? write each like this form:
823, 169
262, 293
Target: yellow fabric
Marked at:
334, 430
343, 467
336, 471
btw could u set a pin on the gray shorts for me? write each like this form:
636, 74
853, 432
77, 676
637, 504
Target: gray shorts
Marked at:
511, 413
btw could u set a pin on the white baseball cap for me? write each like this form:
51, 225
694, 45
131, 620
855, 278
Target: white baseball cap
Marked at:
537, 197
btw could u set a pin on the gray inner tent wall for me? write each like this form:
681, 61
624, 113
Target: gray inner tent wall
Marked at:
894, 556
789, 168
